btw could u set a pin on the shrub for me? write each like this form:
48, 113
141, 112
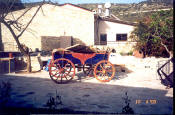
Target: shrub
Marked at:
127, 109
154, 34
54, 102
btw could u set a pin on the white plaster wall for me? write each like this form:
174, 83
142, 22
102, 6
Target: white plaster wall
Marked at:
111, 29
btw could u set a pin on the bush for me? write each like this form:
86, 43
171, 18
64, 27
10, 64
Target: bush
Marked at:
154, 34
54, 102
130, 53
127, 109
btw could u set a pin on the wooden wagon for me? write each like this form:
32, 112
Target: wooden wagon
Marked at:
62, 67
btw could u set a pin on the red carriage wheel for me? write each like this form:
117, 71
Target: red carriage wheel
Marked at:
61, 70
104, 71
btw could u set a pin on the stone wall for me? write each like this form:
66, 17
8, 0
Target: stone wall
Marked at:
52, 20
121, 47
48, 43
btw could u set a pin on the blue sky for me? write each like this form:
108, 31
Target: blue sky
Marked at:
87, 1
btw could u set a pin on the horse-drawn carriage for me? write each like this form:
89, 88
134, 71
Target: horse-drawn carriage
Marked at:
62, 67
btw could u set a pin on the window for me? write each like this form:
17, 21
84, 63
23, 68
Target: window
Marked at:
121, 37
103, 39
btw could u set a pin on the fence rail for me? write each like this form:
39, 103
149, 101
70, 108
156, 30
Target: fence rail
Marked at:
165, 71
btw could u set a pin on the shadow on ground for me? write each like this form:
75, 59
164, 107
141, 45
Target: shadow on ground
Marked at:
120, 73
80, 97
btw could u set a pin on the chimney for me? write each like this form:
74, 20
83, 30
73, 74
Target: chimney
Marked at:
107, 12
99, 9
107, 9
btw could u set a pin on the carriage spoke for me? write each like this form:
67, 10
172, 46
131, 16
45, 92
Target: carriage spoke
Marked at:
66, 77
56, 75
101, 67
65, 74
107, 73
61, 77
57, 71
103, 77
99, 71
100, 74
109, 70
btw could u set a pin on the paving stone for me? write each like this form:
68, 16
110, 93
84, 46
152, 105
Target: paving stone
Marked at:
92, 95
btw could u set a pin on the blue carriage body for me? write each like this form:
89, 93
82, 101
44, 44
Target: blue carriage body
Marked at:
92, 58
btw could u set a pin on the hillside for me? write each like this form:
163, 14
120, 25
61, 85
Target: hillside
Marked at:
128, 12
135, 12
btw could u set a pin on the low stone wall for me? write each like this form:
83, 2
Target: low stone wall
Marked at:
119, 47
48, 43
19, 63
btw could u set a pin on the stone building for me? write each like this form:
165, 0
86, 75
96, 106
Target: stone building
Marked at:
69, 24
52, 21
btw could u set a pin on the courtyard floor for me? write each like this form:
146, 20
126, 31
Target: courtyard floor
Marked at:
140, 81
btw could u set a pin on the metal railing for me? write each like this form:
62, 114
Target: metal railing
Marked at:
165, 71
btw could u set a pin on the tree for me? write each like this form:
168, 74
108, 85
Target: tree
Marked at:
7, 7
155, 34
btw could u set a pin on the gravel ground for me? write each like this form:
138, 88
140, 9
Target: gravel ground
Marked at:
139, 80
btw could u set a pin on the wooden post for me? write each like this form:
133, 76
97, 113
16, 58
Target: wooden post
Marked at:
10, 57
9, 65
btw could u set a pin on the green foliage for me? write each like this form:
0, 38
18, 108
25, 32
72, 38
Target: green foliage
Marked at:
133, 12
123, 53
53, 102
130, 53
126, 53
155, 34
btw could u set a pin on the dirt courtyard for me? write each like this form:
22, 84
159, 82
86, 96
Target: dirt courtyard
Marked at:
84, 93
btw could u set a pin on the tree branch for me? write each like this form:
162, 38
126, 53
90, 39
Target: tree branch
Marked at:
23, 14
16, 25
165, 47
14, 36
8, 8
30, 21
42, 11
